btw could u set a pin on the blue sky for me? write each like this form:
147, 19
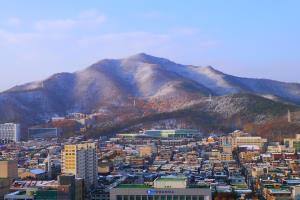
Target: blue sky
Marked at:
246, 38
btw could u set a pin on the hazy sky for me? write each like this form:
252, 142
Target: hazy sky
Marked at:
251, 38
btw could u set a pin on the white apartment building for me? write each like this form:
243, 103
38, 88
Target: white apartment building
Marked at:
237, 139
258, 141
10, 132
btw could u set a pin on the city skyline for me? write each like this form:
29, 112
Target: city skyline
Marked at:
149, 100
39, 39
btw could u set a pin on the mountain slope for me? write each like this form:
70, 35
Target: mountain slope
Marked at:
157, 85
221, 114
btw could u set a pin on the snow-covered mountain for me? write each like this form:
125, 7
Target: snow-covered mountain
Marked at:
154, 85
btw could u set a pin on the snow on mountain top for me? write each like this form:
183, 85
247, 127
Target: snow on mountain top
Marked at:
146, 75
28, 86
142, 57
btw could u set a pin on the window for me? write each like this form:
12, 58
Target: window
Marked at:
137, 197
119, 197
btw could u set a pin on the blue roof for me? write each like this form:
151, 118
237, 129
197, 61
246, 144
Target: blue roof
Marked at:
37, 171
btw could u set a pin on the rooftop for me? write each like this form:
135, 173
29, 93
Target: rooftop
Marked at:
140, 186
280, 191
172, 178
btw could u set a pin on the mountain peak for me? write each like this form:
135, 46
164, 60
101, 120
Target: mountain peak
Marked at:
158, 85
143, 57
142, 54
213, 70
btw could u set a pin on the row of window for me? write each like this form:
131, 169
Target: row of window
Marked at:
160, 197
70, 154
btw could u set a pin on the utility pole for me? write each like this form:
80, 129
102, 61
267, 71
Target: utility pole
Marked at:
210, 98
289, 116
49, 166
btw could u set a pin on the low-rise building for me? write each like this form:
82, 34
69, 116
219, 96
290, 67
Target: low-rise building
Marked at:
293, 142
175, 188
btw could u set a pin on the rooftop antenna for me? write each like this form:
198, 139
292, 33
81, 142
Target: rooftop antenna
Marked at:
289, 116
49, 165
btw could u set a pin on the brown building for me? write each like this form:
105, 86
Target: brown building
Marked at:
145, 151
8, 169
104, 167
8, 172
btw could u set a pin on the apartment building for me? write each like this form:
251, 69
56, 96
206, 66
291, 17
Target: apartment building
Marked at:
9, 132
237, 139
81, 161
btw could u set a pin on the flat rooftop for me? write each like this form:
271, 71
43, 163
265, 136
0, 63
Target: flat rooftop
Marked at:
143, 186
138, 186
166, 178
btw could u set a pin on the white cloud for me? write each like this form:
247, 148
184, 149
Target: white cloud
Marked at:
133, 39
14, 21
16, 38
70, 44
86, 19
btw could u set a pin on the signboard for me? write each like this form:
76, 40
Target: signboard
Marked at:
159, 192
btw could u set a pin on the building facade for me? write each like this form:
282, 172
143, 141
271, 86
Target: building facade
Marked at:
10, 132
81, 161
235, 141
35, 133
9, 169
165, 188
172, 133
160, 194
293, 142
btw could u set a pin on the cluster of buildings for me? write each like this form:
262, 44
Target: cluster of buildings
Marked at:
11, 132
178, 164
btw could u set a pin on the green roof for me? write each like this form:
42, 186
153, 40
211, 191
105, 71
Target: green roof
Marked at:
143, 186
46, 195
240, 186
280, 191
171, 178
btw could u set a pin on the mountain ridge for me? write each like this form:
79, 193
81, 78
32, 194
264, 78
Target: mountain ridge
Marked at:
158, 84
